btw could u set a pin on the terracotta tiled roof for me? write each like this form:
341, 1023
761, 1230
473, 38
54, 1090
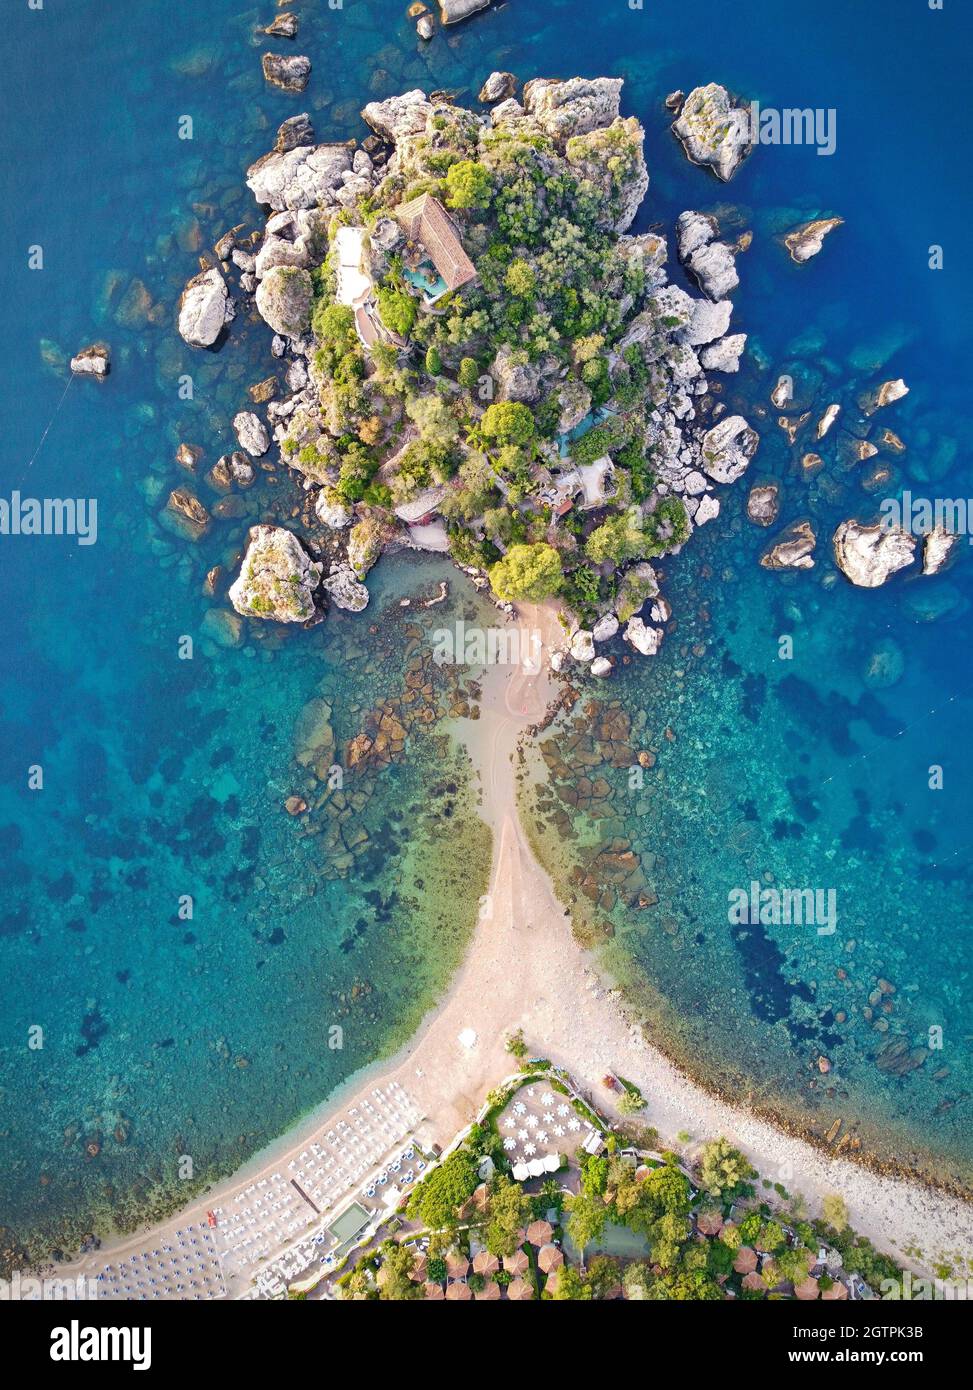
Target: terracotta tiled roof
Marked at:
425, 219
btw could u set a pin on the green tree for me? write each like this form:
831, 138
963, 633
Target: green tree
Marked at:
618, 539
434, 363
723, 1170
469, 373
515, 1044
520, 280
630, 1102
669, 1188
587, 1216
530, 572
397, 309
508, 422
398, 1262
468, 185
510, 1209
436, 1201
571, 1286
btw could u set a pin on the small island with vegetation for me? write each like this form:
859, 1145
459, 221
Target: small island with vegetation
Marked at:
485, 361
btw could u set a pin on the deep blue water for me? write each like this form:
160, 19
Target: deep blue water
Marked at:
164, 777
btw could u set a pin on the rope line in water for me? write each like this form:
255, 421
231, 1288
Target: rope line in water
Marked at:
50, 422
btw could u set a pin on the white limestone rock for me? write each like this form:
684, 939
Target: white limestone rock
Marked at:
251, 433
278, 580
452, 11
574, 107
601, 667
728, 448
583, 645
709, 322
306, 176
203, 308
713, 131
399, 115
346, 590
284, 298
793, 549
605, 628
708, 510
806, 241
937, 548
870, 555
724, 355
763, 504
288, 71
646, 640
499, 86
92, 361
711, 263
331, 511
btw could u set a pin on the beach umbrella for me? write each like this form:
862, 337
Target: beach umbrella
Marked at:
434, 1291
837, 1290
807, 1290
519, 1290
485, 1263
710, 1222
746, 1260
490, 1291
553, 1281
457, 1265
419, 1269
549, 1258
520, 1172
539, 1232
458, 1292
481, 1197
753, 1282
517, 1263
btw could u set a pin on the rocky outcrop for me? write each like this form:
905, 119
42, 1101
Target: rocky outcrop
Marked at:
574, 399
637, 585
290, 72
793, 549
646, 640
583, 645
203, 309
499, 86
713, 131
251, 433
611, 159
516, 380
937, 548
278, 579
827, 420
728, 448
185, 515
284, 300
806, 241
763, 504
92, 361
295, 131
346, 590
293, 237
399, 116
576, 107
332, 511
724, 355
304, 176
284, 26
452, 11
869, 555
709, 322
710, 262
231, 470
886, 394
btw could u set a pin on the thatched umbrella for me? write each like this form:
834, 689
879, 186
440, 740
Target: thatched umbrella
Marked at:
458, 1291
754, 1283
746, 1260
517, 1263
837, 1290
539, 1232
457, 1265
434, 1291
549, 1258
485, 1263
419, 1267
481, 1197
807, 1290
520, 1290
709, 1222
490, 1291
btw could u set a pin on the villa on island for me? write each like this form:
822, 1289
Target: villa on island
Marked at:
446, 265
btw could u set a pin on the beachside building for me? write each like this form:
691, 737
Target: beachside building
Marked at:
445, 265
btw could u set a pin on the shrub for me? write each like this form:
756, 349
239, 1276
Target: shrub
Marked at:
468, 185
397, 309
508, 422
531, 572
469, 373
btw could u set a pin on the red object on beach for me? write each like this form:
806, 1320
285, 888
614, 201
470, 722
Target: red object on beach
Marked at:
610, 1082
211, 1218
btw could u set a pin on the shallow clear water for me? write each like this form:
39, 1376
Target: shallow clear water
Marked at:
164, 777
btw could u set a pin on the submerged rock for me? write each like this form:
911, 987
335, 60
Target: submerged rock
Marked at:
186, 515
499, 86
92, 361
869, 555
713, 131
885, 665
289, 72
284, 26
793, 549
763, 504
278, 579
203, 309
806, 241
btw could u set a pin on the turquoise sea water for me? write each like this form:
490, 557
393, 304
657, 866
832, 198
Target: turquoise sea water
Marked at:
164, 777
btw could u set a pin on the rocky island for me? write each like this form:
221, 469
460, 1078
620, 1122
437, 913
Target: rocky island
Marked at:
482, 359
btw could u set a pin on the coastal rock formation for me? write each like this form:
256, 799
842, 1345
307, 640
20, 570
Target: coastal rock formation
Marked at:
710, 262
185, 515
203, 308
296, 130
575, 107
399, 116
583, 645
713, 131
452, 11
331, 510
92, 361
278, 580
724, 355
937, 548
883, 395
284, 300
646, 640
728, 448
869, 555
806, 241
793, 549
289, 72
284, 26
763, 504
499, 86
251, 432
303, 176
346, 590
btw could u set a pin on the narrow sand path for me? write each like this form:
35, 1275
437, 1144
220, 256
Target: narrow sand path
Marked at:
524, 970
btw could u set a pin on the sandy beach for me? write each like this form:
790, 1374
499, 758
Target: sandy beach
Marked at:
524, 970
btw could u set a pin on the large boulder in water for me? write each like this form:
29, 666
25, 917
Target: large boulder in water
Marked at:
301, 177
278, 579
713, 131
203, 309
575, 107
869, 555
